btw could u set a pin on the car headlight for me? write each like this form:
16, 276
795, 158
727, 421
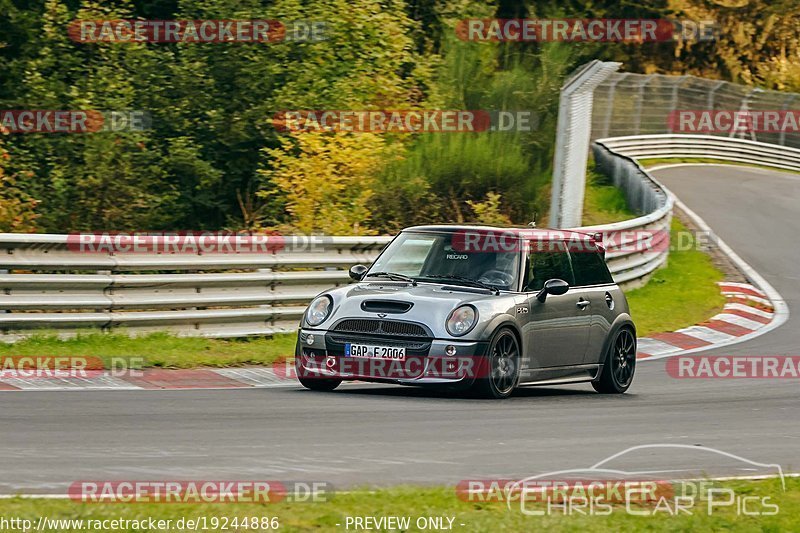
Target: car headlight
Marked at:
462, 320
319, 310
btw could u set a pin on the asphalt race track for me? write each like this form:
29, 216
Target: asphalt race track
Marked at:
364, 434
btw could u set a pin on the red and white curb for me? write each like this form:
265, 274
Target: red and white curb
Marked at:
748, 309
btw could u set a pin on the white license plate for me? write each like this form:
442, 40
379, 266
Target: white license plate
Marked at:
375, 352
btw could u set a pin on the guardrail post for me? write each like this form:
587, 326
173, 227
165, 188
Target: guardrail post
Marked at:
786, 104
572, 142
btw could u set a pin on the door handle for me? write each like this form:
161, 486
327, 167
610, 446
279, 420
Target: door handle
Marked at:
582, 304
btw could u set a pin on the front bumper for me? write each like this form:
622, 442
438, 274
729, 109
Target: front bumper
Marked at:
426, 363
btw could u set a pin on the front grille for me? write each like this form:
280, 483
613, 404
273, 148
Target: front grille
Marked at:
381, 327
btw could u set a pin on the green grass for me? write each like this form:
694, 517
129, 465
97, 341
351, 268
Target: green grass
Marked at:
683, 293
158, 349
441, 502
603, 203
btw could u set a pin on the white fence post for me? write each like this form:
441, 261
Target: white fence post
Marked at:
572, 142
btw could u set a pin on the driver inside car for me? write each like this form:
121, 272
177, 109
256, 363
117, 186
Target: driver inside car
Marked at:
502, 273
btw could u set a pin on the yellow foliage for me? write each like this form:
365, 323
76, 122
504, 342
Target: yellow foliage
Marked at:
757, 42
488, 211
16, 207
327, 179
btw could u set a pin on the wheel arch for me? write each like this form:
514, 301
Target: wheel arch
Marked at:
623, 321
508, 323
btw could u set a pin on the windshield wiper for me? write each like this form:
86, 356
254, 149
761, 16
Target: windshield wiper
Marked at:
462, 279
394, 276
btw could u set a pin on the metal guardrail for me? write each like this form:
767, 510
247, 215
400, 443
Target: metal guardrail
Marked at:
46, 284
645, 196
673, 146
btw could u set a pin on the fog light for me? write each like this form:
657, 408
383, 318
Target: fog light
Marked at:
450, 350
310, 340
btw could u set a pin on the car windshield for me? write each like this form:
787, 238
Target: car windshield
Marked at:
442, 257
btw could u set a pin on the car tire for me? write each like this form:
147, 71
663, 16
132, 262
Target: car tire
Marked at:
620, 364
316, 383
497, 375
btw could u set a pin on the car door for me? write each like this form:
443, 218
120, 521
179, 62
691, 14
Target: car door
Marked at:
594, 281
557, 329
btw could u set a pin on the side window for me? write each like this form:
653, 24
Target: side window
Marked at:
590, 268
545, 265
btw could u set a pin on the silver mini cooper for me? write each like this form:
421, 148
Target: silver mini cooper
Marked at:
473, 307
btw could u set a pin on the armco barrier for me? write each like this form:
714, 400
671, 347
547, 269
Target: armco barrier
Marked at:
47, 284
643, 195
669, 146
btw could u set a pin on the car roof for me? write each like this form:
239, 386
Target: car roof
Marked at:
519, 232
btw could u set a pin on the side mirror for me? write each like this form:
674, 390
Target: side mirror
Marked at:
357, 272
556, 287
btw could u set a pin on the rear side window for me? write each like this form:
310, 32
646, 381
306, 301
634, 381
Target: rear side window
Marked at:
546, 265
590, 269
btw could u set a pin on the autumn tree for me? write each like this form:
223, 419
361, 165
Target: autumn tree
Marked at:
327, 178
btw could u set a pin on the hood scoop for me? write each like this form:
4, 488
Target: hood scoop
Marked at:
385, 306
